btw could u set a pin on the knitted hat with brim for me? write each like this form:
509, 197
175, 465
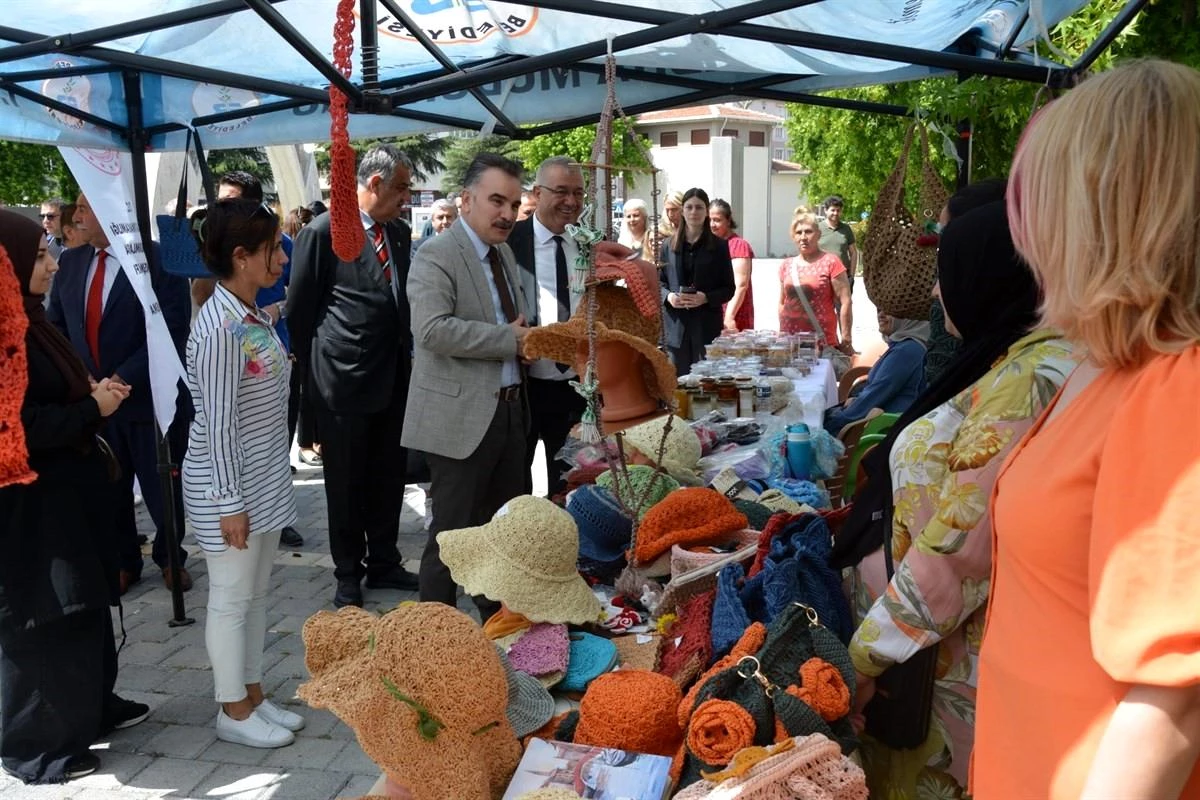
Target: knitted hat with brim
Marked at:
541, 650
425, 692
549, 794
801, 768
686, 559
614, 263
640, 488
530, 705
690, 516
680, 453
604, 530
591, 657
631, 710
525, 558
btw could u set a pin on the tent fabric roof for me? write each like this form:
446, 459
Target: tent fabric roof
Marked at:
256, 72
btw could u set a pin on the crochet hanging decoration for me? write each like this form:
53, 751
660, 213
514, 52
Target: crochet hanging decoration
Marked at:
344, 221
14, 377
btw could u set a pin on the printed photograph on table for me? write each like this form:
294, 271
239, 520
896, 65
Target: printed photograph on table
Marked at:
599, 773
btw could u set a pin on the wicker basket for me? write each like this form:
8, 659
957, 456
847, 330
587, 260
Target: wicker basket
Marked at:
899, 272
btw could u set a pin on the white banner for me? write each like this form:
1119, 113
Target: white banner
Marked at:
106, 177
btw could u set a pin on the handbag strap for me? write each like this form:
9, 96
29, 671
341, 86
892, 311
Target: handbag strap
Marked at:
888, 561
206, 180
808, 309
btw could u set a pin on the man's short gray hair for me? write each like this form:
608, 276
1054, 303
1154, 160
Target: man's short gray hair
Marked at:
444, 203
382, 160
554, 162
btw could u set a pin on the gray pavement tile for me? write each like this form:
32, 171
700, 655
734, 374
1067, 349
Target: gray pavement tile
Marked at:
116, 770
306, 754
291, 624
186, 711
282, 689
192, 656
147, 652
355, 761
183, 741
238, 782
309, 784
122, 793
229, 753
290, 666
176, 775
191, 682
319, 723
298, 606
135, 739
359, 785
142, 677
11, 789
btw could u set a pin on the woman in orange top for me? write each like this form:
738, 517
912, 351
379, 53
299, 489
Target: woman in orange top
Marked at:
1089, 680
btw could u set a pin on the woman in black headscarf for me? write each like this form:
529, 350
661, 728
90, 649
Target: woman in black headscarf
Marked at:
57, 573
936, 473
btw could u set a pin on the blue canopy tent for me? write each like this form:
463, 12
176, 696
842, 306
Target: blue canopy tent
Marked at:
138, 75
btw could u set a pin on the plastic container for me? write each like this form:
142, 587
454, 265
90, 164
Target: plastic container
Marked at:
799, 451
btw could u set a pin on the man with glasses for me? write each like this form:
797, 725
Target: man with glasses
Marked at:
51, 216
547, 256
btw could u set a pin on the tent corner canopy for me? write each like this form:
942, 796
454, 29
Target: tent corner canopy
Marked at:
248, 73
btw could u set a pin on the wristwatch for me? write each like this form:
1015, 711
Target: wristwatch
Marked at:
282, 309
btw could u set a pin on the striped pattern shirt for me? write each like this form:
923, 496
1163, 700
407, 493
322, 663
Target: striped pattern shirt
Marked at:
237, 456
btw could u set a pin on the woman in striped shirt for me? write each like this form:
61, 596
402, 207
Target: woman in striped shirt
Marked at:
237, 484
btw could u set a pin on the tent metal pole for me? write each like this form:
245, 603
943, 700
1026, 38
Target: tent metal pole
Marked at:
681, 25
42, 100
301, 45
168, 470
46, 74
369, 46
1108, 35
435, 51
1012, 36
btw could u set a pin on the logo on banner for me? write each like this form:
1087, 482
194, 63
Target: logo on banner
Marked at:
107, 161
72, 90
459, 21
209, 98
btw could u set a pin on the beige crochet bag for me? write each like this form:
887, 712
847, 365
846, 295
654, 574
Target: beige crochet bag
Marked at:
899, 272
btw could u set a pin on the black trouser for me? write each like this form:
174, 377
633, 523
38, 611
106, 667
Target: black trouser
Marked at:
364, 489
294, 384
134, 445
467, 492
55, 680
554, 408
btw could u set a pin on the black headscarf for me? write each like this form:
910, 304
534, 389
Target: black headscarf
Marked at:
22, 238
992, 298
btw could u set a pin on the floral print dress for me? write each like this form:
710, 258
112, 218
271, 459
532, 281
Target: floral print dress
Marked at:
944, 466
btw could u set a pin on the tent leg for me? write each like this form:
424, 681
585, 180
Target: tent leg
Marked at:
168, 471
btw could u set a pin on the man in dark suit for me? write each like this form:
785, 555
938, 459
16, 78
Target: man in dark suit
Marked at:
547, 256
95, 305
349, 325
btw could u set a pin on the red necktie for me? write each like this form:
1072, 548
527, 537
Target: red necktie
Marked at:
381, 252
95, 309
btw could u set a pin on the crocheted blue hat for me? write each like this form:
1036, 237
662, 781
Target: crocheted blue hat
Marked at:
591, 657
604, 532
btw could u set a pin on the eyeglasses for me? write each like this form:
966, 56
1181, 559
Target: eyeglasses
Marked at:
562, 194
49, 216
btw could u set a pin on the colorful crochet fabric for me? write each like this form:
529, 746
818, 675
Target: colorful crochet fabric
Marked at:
689, 635
591, 656
803, 768
688, 516
641, 490
631, 710
14, 377
541, 650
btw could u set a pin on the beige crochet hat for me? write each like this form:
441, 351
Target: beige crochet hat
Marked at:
525, 558
549, 794
681, 452
803, 768
424, 691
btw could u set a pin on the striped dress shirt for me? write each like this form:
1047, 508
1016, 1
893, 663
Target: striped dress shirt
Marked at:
237, 456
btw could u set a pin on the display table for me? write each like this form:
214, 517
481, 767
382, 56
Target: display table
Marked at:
817, 391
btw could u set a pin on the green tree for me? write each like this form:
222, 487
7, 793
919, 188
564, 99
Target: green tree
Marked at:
240, 159
32, 173
577, 144
424, 150
462, 151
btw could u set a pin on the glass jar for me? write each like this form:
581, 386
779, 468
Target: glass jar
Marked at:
727, 397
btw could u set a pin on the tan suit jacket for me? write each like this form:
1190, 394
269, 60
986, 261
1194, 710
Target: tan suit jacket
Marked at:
458, 348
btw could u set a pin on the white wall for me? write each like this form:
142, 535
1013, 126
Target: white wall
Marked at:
787, 192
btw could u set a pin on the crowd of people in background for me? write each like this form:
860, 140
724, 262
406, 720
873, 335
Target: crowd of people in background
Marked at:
1026, 528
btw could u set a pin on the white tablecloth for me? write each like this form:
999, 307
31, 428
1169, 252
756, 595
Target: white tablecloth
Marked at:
816, 391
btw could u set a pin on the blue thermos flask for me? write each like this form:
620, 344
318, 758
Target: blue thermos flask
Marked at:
799, 451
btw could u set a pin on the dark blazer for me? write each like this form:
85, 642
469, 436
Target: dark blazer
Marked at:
123, 326
57, 542
520, 239
713, 275
349, 332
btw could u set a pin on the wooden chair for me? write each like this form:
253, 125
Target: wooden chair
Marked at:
849, 437
853, 376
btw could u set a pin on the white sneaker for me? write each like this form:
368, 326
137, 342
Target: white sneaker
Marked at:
253, 731
279, 716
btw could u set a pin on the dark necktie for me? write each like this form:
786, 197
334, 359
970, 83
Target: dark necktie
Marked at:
562, 282
501, 281
381, 252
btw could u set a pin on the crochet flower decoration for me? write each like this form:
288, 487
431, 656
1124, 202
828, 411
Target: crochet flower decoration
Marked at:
718, 730
823, 689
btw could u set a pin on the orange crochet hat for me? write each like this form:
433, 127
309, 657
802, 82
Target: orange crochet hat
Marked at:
631, 709
14, 375
425, 692
687, 516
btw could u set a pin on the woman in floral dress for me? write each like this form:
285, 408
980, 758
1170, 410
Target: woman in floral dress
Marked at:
825, 283
943, 466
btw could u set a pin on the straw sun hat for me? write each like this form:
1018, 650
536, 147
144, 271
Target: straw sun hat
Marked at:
525, 557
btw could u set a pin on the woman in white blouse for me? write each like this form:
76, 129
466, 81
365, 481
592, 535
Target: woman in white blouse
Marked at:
237, 483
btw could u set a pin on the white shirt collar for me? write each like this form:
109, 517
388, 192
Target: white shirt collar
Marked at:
542, 234
481, 248
367, 222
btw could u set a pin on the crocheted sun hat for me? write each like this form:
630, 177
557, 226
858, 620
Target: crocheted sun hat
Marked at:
604, 530
801, 768
631, 710
615, 262
552, 793
530, 705
644, 483
525, 558
681, 452
542, 650
756, 513
689, 516
425, 692
591, 656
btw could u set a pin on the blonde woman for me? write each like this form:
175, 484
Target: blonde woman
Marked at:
1090, 665
825, 283
672, 215
635, 233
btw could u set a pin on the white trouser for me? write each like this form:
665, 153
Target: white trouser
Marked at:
236, 630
